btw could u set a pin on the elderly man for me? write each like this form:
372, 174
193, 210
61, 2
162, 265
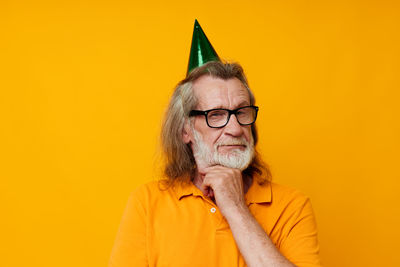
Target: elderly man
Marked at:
216, 205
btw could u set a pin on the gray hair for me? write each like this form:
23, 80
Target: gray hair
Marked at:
179, 160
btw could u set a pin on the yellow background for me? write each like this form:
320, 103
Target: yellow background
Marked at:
83, 86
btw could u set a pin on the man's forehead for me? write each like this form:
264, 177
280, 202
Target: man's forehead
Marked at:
216, 92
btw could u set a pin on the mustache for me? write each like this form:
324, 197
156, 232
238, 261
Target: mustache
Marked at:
232, 142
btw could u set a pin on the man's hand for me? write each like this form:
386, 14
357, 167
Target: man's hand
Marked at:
226, 186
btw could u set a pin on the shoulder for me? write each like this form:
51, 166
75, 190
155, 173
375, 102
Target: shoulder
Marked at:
281, 192
289, 199
146, 188
153, 191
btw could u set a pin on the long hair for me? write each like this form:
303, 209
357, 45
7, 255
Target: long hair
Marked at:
179, 160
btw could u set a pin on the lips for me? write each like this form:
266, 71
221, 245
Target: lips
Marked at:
233, 146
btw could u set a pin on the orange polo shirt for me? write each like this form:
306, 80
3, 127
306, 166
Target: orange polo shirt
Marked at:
178, 226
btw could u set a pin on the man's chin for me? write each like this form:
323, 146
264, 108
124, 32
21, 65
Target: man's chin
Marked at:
232, 161
240, 167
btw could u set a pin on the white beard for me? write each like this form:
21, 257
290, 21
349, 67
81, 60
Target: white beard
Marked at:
236, 159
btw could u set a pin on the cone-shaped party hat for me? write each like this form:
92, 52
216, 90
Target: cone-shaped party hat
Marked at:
201, 50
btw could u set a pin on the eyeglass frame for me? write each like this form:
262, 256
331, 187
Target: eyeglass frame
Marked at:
194, 112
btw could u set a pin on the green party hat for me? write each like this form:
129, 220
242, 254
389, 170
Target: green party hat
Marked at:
201, 50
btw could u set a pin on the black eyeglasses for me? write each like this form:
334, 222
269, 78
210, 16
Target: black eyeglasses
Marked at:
219, 117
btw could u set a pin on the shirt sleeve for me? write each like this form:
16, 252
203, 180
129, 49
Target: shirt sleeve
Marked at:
130, 244
300, 245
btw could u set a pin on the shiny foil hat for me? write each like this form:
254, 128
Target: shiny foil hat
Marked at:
201, 50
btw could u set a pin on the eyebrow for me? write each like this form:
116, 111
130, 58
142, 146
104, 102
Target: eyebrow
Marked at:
244, 103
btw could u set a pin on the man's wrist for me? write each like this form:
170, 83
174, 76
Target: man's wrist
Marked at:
236, 212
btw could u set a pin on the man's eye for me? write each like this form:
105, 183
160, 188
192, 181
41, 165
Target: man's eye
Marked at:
243, 112
216, 114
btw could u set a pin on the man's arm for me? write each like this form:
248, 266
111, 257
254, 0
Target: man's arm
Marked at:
251, 239
254, 244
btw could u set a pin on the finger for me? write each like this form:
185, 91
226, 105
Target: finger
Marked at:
214, 167
211, 193
205, 189
204, 171
208, 192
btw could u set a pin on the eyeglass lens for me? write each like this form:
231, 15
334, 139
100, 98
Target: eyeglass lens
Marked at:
220, 117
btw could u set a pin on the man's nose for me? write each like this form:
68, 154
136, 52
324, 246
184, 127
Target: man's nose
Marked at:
233, 127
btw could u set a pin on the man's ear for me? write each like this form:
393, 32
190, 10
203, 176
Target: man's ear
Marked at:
186, 133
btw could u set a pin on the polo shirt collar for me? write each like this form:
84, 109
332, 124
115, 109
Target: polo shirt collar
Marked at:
184, 189
259, 193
